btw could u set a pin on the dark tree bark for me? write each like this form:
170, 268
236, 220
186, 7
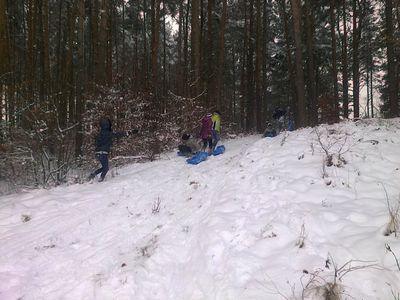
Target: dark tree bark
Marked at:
210, 71
345, 80
179, 63
391, 61
356, 59
243, 81
291, 83
258, 66
186, 68
31, 45
80, 78
4, 54
311, 84
195, 47
251, 114
335, 105
155, 41
221, 57
45, 88
145, 65
301, 117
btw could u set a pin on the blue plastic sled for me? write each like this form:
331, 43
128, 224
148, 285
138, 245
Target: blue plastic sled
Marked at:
219, 150
270, 135
197, 158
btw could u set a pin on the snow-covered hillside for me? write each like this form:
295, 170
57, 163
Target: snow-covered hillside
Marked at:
269, 219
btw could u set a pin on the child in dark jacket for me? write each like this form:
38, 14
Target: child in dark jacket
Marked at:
190, 145
103, 146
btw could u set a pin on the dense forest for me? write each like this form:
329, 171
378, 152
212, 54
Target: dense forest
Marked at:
159, 65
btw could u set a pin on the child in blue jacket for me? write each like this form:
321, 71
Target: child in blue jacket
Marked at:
103, 146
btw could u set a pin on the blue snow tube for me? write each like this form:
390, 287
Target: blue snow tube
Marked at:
197, 158
219, 150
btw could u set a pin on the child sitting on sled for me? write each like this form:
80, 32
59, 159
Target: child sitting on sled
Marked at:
190, 145
269, 131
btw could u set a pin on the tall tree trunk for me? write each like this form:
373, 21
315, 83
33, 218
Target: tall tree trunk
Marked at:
109, 43
179, 70
266, 38
345, 76
70, 112
372, 93
232, 109
95, 45
195, 47
335, 104
80, 78
258, 66
31, 45
165, 83
301, 117
250, 70
356, 59
101, 71
312, 88
58, 82
243, 81
145, 71
209, 54
186, 68
291, 83
136, 60
4, 55
221, 56
155, 41
123, 57
391, 61
45, 59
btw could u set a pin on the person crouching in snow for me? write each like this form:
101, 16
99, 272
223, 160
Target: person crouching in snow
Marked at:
269, 131
206, 132
190, 145
103, 146
278, 117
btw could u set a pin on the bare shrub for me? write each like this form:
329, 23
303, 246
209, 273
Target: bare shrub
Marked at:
330, 287
148, 250
387, 246
396, 295
302, 237
39, 153
393, 225
334, 145
156, 206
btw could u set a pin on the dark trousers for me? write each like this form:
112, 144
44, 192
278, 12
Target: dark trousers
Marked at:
215, 138
103, 159
207, 141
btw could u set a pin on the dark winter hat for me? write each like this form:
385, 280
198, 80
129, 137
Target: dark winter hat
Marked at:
105, 124
185, 136
217, 112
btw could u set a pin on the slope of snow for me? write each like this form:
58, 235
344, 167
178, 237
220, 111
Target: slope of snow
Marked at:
266, 220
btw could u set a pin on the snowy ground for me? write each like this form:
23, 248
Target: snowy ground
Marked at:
265, 220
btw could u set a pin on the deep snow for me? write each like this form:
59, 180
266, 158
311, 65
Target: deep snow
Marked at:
265, 220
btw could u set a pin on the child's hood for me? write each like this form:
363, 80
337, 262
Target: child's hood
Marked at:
105, 124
